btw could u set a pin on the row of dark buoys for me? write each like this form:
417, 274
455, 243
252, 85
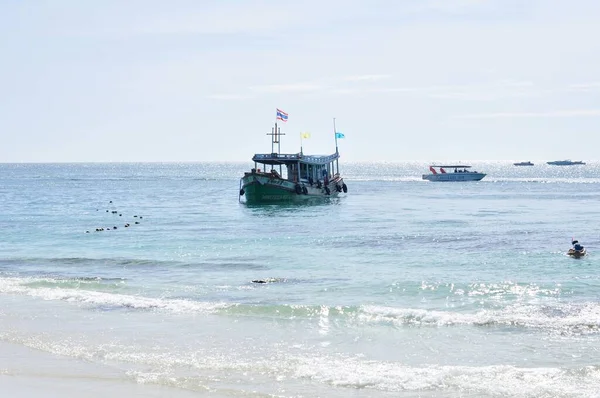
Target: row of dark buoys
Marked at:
126, 225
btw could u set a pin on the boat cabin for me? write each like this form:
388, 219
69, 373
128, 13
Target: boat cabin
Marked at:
297, 167
456, 169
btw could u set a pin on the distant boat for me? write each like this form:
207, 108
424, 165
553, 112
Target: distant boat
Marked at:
523, 164
460, 174
565, 162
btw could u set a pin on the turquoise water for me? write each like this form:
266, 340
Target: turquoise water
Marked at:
400, 288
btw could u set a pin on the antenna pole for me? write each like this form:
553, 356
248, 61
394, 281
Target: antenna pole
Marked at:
273, 132
337, 164
335, 135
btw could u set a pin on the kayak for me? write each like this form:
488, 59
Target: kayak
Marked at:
576, 253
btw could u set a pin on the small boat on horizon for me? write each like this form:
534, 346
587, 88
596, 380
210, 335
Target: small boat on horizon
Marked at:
460, 173
528, 163
292, 177
567, 162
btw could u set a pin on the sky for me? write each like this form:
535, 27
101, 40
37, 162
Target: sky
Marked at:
194, 80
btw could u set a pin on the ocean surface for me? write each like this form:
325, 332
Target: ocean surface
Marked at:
400, 288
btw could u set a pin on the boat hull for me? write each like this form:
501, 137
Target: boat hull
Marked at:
447, 177
262, 188
577, 253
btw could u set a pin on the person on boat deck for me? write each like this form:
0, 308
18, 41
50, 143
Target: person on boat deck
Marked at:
576, 245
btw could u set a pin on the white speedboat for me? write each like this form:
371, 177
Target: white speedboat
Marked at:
565, 162
456, 173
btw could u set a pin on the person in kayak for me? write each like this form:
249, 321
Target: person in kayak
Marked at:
577, 246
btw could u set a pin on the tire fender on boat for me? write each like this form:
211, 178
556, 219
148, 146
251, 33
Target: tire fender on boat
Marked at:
327, 191
242, 192
298, 189
345, 188
304, 190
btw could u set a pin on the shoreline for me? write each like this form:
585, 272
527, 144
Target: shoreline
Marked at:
26, 372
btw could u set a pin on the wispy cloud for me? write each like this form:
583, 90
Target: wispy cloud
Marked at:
585, 86
346, 91
472, 92
332, 84
293, 87
228, 97
457, 6
218, 19
551, 114
489, 95
358, 78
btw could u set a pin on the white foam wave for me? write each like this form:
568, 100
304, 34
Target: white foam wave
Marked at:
499, 380
582, 318
15, 286
208, 369
560, 317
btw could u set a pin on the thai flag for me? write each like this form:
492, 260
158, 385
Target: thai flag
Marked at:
281, 115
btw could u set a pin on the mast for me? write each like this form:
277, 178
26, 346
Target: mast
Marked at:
275, 138
337, 165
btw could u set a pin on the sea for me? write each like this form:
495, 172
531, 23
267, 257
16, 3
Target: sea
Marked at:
399, 288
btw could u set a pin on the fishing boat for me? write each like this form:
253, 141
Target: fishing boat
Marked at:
565, 162
292, 177
460, 173
523, 164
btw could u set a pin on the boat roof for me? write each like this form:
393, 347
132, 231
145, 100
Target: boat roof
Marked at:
455, 166
287, 158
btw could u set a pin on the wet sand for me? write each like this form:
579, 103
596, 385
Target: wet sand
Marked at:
25, 372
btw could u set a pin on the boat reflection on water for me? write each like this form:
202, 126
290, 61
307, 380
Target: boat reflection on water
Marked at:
269, 209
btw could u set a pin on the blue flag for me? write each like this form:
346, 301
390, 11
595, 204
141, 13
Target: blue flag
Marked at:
339, 135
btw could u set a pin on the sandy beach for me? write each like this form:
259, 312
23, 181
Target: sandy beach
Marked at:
26, 373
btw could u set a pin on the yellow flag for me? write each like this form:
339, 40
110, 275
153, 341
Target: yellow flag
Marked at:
304, 135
